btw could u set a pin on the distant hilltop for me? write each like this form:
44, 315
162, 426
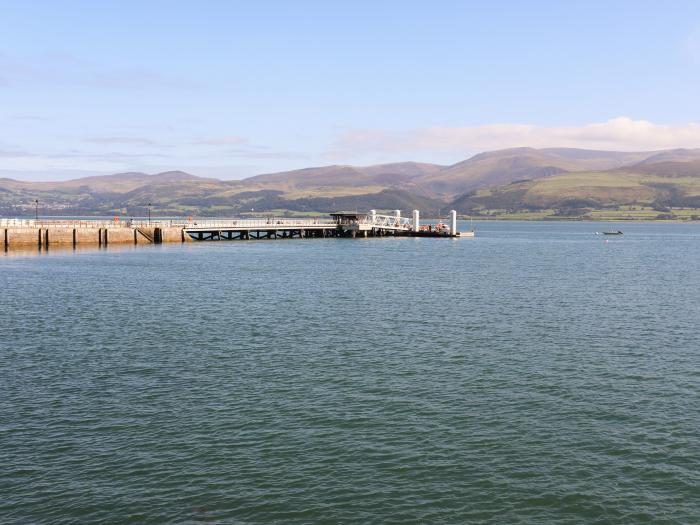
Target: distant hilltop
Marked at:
554, 182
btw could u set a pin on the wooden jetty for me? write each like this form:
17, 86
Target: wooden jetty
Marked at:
45, 233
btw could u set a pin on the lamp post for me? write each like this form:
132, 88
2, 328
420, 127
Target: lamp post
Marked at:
149, 213
36, 210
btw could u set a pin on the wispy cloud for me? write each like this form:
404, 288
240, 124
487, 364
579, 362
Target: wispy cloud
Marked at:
137, 141
29, 117
221, 141
270, 155
11, 152
620, 133
52, 165
13, 70
66, 69
247, 150
14, 154
110, 155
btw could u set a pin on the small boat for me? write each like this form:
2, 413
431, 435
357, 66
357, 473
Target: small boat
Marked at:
618, 232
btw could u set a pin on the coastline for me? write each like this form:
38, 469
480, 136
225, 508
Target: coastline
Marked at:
583, 219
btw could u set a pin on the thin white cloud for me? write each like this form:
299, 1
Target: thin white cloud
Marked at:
221, 141
621, 134
111, 155
138, 141
14, 154
247, 150
66, 69
52, 164
77, 154
29, 117
252, 154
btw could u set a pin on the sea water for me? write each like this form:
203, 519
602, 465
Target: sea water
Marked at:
534, 374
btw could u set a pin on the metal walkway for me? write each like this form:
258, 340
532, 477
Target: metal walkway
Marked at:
341, 225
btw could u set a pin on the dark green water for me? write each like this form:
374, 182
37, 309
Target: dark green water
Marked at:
535, 374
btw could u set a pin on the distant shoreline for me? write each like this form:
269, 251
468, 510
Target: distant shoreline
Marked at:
588, 219
499, 218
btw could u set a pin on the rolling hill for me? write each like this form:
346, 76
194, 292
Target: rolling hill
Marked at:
505, 166
400, 175
504, 181
660, 186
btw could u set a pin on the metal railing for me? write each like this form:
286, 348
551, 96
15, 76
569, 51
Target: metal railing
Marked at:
376, 221
387, 222
261, 223
65, 223
273, 222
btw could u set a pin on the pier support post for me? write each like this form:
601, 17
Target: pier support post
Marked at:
453, 222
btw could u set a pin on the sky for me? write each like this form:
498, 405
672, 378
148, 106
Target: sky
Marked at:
231, 89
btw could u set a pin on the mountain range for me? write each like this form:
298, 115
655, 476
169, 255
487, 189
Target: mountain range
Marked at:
503, 181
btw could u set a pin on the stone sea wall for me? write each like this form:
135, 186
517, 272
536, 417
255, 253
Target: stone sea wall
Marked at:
44, 237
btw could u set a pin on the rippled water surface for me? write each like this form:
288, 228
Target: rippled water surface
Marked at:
535, 374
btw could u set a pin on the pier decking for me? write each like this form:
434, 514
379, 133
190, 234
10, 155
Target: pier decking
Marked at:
45, 233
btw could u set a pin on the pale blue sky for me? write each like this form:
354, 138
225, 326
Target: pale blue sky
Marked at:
230, 89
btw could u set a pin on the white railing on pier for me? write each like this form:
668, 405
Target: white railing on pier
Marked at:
273, 222
387, 222
259, 223
390, 222
66, 223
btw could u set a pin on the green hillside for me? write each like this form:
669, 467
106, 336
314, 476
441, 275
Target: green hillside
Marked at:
654, 189
505, 166
520, 182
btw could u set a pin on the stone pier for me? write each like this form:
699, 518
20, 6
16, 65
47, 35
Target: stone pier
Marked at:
47, 236
47, 233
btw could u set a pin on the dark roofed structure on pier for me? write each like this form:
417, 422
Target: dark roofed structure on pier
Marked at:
348, 217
